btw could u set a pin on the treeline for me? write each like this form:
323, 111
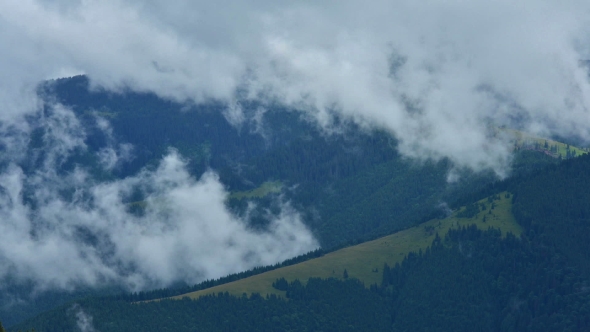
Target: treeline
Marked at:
3, 330
349, 186
470, 280
325, 305
169, 292
284, 147
486, 283
556, 203
398, 194
526, 165
152, 125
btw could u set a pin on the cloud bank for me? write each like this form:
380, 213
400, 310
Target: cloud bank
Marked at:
439, 75
83, 320
66, 229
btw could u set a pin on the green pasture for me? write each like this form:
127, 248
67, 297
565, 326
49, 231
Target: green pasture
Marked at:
264, 189
365, 261
523, 140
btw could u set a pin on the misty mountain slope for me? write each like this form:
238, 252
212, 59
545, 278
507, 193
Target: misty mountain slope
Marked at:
555, 202
152, 125
118, 146
471, 280
124, 175
468, 280
390, 196
554, 148
348, 185
364, 261
228, 313
277, 145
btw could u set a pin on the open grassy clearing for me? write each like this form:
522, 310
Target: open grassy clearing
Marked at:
264, 189
524, 140
365, 261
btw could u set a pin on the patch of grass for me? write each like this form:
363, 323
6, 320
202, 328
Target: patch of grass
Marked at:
525, 140
365, 261
264, 189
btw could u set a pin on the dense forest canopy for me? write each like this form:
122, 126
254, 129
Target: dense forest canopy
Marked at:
316, 166
349, 186
467, 280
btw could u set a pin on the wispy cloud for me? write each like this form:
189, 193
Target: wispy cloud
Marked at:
439, 75
62, 229
83, 320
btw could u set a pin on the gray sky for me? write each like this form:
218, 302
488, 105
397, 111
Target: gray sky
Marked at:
439, 75
463, 65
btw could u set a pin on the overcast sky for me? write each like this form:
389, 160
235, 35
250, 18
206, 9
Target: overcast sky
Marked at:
439, 75
435, 73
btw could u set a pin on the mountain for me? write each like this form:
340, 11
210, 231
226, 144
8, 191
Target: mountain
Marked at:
365, 261
525, 268
349, 186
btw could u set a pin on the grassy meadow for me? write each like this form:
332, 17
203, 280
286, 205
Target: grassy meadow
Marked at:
365, 261
264, 189
522, 140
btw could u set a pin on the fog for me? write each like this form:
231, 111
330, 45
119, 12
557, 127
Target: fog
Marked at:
66, 229
441, 76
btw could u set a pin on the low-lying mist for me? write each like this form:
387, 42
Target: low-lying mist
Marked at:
440, 76
62, 228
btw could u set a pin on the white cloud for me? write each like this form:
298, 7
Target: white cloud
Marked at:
457, 58
113, 154
63, 230
440, 75
83, 320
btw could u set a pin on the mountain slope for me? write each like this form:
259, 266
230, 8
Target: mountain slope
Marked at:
470, 280
467, 280
349, 186
365, 261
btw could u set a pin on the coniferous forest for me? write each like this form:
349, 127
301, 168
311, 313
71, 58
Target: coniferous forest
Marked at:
468, 280
350, 187
294, 166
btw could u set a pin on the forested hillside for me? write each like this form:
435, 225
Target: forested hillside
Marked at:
365, 260
294, 166
471, 280
349, 185
468, 280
